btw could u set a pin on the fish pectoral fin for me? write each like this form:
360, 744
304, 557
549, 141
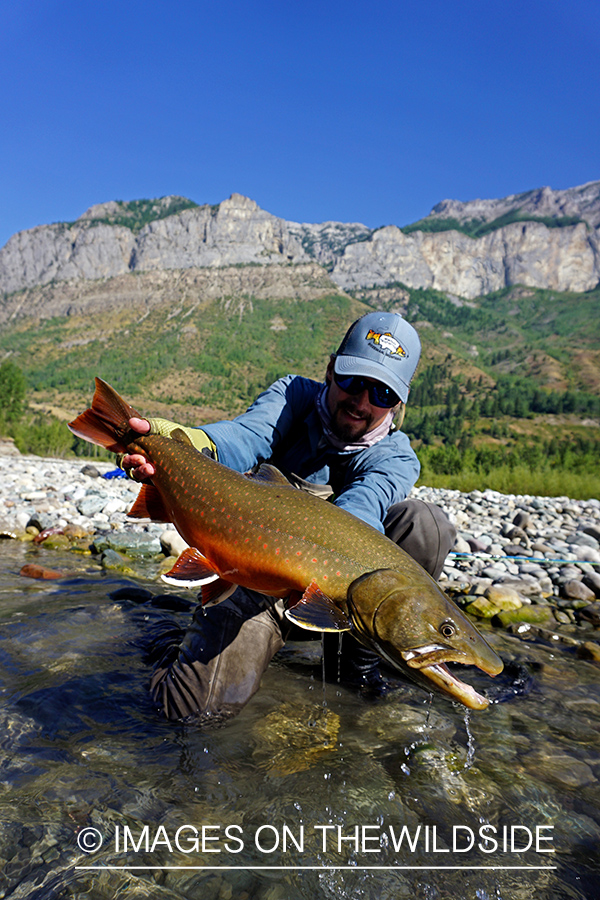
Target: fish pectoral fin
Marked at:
149, 505
317, 612
191, 570
270, 475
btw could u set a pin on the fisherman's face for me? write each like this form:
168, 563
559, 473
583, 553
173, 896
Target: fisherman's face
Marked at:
352, 415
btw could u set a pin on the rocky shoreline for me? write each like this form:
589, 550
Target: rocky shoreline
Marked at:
528, 564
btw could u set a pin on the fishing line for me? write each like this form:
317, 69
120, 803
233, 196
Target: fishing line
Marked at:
536, 559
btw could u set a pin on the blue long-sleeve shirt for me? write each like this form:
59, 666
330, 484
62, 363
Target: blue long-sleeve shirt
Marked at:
283, 427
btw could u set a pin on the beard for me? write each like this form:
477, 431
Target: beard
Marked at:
350, 430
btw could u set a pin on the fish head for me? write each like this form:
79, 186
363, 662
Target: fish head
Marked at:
409, 621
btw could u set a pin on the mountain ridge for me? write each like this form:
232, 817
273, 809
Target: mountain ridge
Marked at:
173, 233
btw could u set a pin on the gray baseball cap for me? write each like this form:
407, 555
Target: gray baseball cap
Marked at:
383, 346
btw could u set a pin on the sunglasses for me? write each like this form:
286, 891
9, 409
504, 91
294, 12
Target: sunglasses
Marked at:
379, 394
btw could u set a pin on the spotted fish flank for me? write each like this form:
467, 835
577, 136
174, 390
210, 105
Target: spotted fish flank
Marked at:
336, 572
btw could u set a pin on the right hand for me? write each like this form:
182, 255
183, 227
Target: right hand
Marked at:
142, 470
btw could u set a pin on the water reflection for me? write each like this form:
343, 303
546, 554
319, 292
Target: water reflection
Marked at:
290, 783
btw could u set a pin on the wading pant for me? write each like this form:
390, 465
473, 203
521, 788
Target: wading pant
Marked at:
214, 668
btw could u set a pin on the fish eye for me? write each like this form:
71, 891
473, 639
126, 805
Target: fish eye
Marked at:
448, 628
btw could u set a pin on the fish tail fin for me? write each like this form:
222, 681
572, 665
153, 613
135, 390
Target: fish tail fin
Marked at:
107, 421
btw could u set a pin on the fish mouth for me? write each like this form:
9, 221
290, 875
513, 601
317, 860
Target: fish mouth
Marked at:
440, 677
427, 666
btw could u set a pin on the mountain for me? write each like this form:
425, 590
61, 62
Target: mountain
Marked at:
544, 239
192, 310
581, 203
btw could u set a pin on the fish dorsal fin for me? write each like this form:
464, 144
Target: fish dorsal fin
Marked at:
270, 475
181, 437
149, 505
317, 612
192, 569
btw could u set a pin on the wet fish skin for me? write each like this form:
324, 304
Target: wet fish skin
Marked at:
267, 536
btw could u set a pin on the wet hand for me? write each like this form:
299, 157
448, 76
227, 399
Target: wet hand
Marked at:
141, 468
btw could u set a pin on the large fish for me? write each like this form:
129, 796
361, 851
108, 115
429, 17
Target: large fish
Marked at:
337, 573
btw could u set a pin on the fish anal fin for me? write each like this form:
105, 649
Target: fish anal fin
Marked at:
317, 612
149, 505
192, 569
270, 475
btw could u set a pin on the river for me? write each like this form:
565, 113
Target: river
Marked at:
312, 792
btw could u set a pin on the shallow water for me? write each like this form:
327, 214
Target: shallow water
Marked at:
302, 796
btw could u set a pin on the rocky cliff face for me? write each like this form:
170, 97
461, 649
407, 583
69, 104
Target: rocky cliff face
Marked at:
582, 202
235, 232
529, 253
110, 240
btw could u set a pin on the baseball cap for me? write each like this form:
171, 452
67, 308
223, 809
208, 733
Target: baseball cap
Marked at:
383, 346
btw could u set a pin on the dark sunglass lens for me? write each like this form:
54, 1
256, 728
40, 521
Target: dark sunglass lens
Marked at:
350, 384
382, 395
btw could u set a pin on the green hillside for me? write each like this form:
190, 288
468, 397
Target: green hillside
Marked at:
514, 370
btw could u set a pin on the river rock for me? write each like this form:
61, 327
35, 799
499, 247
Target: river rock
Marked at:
134, 545
521, 519
576, 590
584, 539
589, 650
592, 580
515, 550
9, 528
172, 543
31, 570
532, 615
503, 597
591, 613
91, 504
112, 560
482, 608
560, 768
90, 471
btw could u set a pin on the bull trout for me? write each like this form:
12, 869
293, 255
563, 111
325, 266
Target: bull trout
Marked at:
336, 572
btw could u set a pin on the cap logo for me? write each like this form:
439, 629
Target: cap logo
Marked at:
387, 343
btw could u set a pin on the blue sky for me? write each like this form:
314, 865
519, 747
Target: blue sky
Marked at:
352, 111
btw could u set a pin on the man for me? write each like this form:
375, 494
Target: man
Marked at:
336, 440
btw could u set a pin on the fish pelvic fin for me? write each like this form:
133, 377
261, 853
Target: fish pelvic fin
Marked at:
149, 505
317, 612
107, 421
216, 591
192, 570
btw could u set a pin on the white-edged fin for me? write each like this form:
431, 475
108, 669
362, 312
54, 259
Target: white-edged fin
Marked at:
317, 612
191, 570
216, 591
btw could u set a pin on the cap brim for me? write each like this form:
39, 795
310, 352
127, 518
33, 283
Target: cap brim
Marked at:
358, 365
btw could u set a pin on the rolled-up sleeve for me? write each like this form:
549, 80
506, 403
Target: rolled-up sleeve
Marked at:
252, 437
